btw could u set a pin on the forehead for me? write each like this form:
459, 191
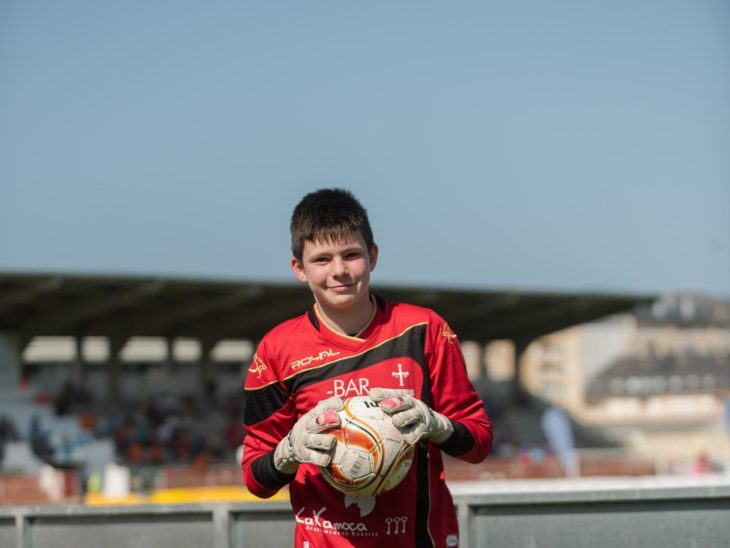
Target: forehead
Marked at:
328, 245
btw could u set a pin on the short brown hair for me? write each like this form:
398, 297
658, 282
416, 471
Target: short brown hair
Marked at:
329, 214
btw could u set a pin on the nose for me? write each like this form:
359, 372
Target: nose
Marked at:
339, 266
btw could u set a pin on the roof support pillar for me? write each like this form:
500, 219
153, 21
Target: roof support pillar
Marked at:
10, 350
205, 364
114, 371
78, 366
473, 358
518, 390
170, 353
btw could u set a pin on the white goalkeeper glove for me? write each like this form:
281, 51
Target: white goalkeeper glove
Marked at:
412, 417
305, 443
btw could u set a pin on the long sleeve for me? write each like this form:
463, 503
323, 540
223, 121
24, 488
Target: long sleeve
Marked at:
454, 396
268, 417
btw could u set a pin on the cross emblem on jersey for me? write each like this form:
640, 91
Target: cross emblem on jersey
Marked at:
400, 374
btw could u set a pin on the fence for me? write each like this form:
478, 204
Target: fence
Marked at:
513, 514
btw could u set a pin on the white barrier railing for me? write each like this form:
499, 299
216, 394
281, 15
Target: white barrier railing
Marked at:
628, 512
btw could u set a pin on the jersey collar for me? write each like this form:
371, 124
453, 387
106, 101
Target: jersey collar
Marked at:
327, 332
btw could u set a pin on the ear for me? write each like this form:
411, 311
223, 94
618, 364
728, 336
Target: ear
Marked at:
298, 270
373, 256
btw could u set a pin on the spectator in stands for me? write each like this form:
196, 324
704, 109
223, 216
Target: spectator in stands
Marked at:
39, 439
64, 399
703, 464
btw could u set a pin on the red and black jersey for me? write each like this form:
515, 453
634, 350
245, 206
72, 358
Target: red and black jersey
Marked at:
302, 361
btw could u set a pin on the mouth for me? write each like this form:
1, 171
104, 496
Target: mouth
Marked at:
341, 287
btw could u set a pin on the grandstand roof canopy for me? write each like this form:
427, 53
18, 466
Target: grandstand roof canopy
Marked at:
115, 306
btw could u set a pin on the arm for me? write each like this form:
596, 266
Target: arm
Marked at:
454, 396
268, 415
456, 422
276, 442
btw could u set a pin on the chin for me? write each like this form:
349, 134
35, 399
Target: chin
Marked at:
342, 301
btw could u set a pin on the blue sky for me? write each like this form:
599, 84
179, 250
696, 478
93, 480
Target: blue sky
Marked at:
548, 146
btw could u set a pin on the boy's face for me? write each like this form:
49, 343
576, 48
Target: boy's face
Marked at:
337, 273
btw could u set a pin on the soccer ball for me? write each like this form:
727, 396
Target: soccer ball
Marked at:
370, 456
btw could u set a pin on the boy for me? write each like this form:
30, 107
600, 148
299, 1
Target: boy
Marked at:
352, 343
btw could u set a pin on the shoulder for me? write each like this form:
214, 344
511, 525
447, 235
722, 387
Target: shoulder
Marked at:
277, 343
413, 312
406, 314
286, 329
276, 349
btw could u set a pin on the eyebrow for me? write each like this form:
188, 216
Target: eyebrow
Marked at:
350, 248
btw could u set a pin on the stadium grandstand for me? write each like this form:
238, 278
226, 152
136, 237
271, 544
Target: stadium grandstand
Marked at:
125, 394
146, 373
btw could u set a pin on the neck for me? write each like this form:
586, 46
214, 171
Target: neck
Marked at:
352, 320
